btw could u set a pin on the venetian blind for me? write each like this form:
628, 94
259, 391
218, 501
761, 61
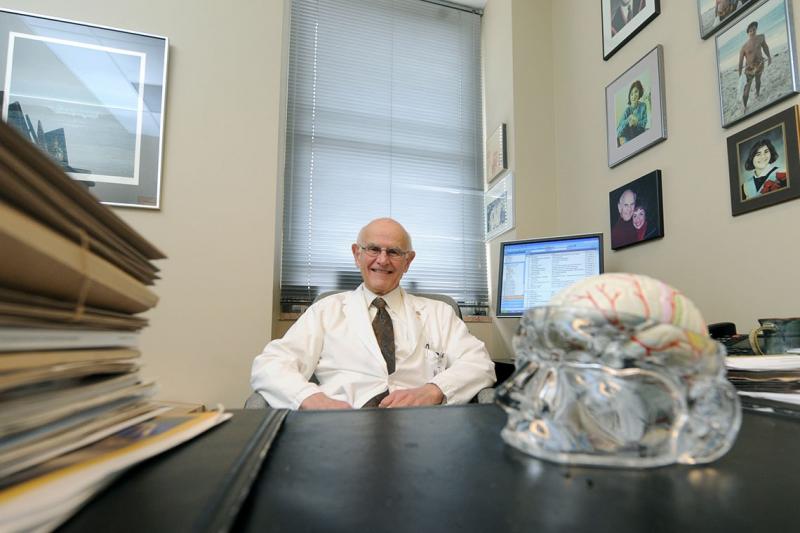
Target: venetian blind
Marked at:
384, 119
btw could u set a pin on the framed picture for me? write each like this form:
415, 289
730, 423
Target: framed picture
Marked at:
764, 163
92, 98
498, 203
756, 63
636, 211
636, 116
714, 14
496, 156
622, 19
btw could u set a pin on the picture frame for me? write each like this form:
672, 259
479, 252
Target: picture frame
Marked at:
498, 203
768, 66
625, 134
618, 27
636, 211
496, 153
90, 96
713, 15
758, 181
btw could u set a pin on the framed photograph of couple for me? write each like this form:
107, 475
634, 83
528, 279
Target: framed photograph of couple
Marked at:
636, 116
714, 14
92, 98
756, 63
764, 163
622, 19
636, 211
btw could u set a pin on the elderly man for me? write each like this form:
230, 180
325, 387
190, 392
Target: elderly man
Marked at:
376, 346
623, 232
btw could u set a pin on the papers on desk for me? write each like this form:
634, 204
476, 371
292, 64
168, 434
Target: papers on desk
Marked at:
44, 497
767, 382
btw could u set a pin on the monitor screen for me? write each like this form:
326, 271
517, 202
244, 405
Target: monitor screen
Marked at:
532, 271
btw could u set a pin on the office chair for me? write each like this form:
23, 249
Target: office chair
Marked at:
256, 401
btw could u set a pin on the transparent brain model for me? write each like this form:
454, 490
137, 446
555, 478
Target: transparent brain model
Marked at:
619, 370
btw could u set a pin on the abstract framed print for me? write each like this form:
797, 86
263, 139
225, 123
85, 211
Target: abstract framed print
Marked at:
498, 203
636, 109
622, 19
764, 163
636, 211
756, 63
714, 14
92, 98
496, 153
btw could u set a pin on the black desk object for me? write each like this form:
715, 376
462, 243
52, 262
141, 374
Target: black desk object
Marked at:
446, 469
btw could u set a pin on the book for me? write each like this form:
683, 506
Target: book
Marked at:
64, 484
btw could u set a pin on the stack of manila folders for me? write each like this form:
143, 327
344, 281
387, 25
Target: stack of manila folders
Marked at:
74, 278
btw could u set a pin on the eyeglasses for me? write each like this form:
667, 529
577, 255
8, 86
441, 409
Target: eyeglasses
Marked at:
374, 251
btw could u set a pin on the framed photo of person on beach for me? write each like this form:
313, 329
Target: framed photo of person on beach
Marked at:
714, 14
756, 63
635, 108
764, 163
636, 211
623, 19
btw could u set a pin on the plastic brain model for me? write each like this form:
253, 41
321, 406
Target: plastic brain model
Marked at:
619, 370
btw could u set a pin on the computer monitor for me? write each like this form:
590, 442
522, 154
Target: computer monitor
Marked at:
532, 271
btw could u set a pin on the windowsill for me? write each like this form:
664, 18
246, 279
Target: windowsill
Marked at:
290, 317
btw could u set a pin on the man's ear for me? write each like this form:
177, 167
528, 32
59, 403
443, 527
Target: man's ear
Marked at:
409, 257
355, 248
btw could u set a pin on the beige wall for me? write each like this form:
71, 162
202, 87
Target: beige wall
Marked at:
217, 222
734, 269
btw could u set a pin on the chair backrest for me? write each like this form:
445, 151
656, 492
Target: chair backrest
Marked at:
433, 296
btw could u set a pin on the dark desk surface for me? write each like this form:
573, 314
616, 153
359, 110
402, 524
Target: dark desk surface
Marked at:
443, 469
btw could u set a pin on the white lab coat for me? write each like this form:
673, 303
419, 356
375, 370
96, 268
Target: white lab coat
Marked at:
334, 340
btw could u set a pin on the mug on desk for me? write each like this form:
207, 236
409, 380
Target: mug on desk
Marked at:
778, 335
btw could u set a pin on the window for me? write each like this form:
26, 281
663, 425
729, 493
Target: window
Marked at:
384, 119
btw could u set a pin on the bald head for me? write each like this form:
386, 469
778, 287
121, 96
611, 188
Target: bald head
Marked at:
385, 225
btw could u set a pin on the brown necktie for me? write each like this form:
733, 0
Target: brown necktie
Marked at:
384, 332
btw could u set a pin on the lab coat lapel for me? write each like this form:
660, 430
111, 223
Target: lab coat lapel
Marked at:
416, 313
357, 316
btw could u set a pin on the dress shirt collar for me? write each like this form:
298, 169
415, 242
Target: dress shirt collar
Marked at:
394, 300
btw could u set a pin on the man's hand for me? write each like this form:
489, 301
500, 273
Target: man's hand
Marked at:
428, 394
321, 400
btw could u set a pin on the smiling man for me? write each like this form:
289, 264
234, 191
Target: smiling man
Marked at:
376, 346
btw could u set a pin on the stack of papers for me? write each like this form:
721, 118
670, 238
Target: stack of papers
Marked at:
775, 378
73, 278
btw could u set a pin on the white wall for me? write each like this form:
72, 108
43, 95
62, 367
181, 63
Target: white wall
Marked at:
217, 222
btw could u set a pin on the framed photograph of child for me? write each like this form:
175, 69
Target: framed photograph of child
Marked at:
756, 63
764, 163
636, 211
622, 19
636, 117
714, 14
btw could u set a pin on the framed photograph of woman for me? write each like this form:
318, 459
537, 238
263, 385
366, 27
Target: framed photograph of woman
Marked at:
636, 211
764, 163
756, 63
635, 108
622, 19
714, 14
